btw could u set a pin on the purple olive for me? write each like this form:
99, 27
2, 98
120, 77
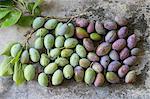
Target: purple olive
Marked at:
88, 44
123, 70
105, 60
122, 32
121, 20
99, 28
124, 53
114, 55
81, 22
103, 49
114, 66
119, 44
132, 41
91, 27
111, 36
99, 80
110, 25
130, 60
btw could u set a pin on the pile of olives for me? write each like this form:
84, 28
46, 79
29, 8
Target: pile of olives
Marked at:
93, 52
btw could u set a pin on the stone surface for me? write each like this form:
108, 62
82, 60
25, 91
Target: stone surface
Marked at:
138, 11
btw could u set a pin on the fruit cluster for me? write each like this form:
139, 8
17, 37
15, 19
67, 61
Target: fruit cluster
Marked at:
89, 51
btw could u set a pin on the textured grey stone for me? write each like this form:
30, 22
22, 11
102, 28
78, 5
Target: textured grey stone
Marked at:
139, 13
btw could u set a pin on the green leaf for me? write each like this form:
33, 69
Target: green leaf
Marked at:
25, 21
3, 12
6, 68
37, 10
18, 75
7, 2
37, 3
11, 19
7, 48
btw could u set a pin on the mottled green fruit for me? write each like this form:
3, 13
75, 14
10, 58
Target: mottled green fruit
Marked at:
24, 57
95, 37
34, 55
112, 77
68, 71
78, 74
57, 28
63, 29
130, 77
41, 32
43, 79
51, 68
61, 61
7, 48
85, 63
74, 59
66, 52
70, 43
70, 31
89, 76
38, 22
29, 72
44, 60
57, 77
51, 24
80, 50
81, 33
39, 43
54, 53
15, 49
48, 41
59, 41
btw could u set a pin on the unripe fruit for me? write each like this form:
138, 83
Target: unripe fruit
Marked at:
39, 43
29, 72
48, 41
68, 71
112, 77
43, 79
74, 59
61, 61
38, 22
44, 60
15, 49
34, 55
57, 77
41, 32
78, 74
80, 50
50, 68
51, 24
89, 76
59, 41
24, 57
70, 43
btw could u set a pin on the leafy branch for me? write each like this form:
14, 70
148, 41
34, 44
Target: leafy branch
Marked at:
20, 12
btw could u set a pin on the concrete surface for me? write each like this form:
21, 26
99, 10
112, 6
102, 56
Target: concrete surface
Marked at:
139, 13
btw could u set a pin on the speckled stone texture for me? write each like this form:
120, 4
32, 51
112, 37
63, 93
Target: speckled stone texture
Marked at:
138, 11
